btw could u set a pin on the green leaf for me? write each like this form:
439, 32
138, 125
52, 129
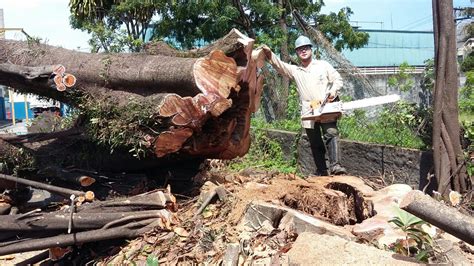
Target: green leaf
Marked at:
152, 260
396, 221
422, 256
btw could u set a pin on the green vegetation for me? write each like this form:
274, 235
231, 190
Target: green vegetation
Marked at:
389, 128
123, 25
265, 152
152, 260
466, 106
127, 126
403, 80
417, 242
468, 63
466, 96
115, 26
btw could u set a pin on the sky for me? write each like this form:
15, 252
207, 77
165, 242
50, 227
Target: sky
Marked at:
390, 14
49, 19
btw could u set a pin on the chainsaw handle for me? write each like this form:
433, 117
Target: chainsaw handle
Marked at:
326, 98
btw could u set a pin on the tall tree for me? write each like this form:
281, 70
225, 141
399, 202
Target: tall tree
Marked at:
449, 164
115, 25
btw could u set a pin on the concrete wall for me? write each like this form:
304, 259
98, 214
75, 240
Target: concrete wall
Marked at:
393, 164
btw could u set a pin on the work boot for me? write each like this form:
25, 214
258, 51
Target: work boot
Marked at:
337, 169
333, 154
322, 172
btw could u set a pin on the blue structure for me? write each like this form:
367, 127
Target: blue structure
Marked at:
2, 109
20, 113
392, 48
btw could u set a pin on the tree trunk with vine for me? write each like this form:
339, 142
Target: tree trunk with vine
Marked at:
449, 163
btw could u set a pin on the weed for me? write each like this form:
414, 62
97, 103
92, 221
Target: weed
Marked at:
417, 242
264, 152
469, 149
131, 126
400, 125
152, 260
403, 80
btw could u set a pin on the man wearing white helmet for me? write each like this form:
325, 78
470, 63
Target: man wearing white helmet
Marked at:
314, 80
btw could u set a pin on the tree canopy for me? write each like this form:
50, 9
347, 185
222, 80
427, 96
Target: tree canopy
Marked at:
124, 23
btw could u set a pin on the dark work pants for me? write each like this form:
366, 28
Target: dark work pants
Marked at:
319, 144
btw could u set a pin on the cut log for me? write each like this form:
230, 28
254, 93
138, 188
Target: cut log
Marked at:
73, 177
438, 214
158, 199
127, 231
81, 221
50, 188
184, 105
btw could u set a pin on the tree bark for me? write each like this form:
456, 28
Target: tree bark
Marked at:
438, 214
282, 101
448, 156
127, 231
200, 101
80, 221
50, 188
153, 200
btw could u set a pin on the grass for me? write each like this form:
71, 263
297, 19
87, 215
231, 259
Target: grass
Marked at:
466, 117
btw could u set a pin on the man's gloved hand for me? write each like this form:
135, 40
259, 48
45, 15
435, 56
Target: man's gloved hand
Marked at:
331, 97
315, 104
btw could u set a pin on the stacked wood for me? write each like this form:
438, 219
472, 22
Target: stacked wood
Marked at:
117, 218
201, 100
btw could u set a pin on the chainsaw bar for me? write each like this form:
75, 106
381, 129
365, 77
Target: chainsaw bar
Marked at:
334, 110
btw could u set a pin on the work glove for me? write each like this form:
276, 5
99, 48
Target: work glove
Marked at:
315, 104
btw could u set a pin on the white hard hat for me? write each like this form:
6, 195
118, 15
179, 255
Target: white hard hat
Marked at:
302, 41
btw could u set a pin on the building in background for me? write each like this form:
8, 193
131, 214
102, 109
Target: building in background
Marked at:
391, 48
21, 106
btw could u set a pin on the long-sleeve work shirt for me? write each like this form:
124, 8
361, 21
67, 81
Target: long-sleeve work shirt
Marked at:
313, 82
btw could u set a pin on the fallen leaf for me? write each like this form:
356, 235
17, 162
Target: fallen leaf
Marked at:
455, 198
181, 232
7, 257
206, 213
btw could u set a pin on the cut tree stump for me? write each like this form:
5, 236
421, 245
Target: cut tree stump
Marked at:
337, 202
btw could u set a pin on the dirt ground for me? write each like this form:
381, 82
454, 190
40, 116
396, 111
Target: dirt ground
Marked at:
206, 237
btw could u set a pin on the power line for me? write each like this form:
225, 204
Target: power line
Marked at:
423, 20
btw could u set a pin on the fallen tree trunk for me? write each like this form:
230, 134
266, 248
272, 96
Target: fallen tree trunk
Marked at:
168, 106
438, 214
92, 215
80, 221
127, 231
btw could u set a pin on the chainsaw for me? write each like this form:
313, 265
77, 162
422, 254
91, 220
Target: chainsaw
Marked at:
330, 111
